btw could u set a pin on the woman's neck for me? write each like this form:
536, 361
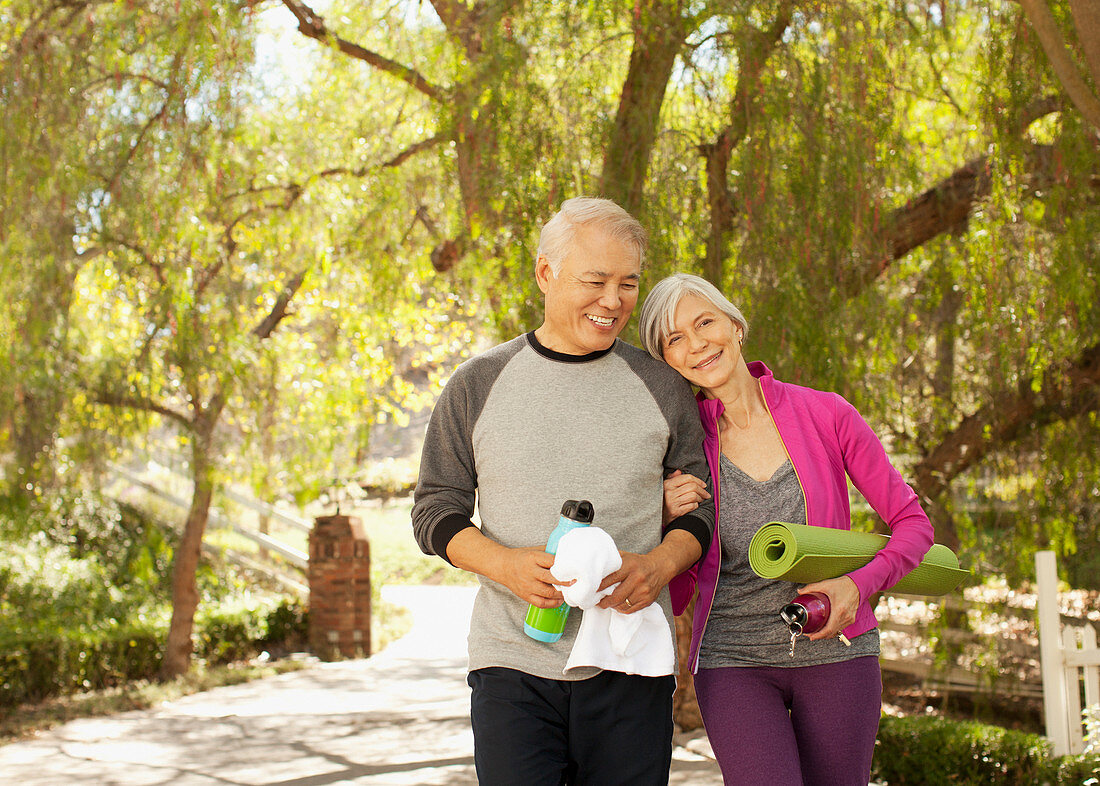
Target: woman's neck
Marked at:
741, 398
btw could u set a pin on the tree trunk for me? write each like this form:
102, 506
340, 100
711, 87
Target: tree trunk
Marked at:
660, 30
41, 352
1069, 390
185, 596
753, 56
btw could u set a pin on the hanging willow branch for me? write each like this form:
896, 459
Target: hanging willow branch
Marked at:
946, 207
1068, 390
312, 25
753, 58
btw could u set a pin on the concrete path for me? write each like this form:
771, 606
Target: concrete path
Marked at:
396, 719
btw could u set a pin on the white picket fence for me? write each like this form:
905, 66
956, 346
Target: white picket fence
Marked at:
1070, 665
166, 484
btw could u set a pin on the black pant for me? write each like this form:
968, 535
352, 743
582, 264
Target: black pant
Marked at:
610, 729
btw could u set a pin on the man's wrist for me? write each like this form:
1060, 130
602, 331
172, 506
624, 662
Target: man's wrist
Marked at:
666, 560
677, 552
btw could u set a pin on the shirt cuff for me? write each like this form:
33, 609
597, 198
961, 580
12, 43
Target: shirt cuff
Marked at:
695, 526
451, 525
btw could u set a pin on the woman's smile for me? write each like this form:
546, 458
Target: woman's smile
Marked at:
708, 362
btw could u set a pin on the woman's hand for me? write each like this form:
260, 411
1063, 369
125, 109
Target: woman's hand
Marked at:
683, 493
843, 602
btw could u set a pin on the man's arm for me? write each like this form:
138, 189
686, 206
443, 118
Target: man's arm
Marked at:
444, 500
526, 571
686, 538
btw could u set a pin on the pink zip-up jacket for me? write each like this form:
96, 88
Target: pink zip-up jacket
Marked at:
826, 439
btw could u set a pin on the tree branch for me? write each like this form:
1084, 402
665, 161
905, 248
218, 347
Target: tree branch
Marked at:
413, 149
946, 206
466, 23
660, 32
1067, 390
279, 310
1086, 16
1046, 28
312, 25
112, 398
753, 57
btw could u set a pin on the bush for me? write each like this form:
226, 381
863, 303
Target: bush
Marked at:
83, 583
37, 664
927, 750
287, 626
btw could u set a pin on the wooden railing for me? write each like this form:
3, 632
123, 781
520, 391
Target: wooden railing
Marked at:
265, 543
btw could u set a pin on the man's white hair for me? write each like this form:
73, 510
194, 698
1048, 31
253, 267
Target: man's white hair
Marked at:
659, 309
556, 239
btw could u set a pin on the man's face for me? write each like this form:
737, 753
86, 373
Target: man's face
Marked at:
590, 301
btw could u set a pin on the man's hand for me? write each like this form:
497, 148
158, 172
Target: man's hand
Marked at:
640, 579
683, 493
642, 576
526, 572
843, 602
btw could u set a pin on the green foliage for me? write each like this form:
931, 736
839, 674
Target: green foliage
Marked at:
40, 663
128, 548
928, 750
167, 170
83, 602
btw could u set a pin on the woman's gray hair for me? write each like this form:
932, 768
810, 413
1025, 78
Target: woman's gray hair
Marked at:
556, 238
659, 309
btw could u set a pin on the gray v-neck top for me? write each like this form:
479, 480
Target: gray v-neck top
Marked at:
744, 628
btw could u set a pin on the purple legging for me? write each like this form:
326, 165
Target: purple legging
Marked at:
799, 726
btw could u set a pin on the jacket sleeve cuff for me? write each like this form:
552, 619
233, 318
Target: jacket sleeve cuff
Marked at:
446, 529
696, 527
867, 580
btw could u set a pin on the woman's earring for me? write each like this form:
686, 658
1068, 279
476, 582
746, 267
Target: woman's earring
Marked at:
741, 339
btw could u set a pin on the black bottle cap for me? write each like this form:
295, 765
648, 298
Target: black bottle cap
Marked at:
578, 510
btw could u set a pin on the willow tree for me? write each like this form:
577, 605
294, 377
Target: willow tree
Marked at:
63, 151
947, 180
239, 306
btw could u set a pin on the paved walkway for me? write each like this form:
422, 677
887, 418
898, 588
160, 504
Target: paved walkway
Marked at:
396, 719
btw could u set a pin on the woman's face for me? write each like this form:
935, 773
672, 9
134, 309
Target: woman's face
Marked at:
704, 344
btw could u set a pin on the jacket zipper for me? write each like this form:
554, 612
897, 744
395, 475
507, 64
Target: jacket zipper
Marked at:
717, 484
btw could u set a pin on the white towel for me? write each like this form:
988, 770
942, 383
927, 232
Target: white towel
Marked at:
638, 643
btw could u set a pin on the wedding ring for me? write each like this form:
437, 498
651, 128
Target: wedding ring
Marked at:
627, 602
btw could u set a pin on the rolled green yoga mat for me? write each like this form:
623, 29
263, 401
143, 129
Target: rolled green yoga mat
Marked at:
796, 552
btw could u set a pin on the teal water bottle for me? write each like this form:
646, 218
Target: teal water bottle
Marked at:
547, 624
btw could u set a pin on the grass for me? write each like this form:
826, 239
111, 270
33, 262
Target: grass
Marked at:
395, 557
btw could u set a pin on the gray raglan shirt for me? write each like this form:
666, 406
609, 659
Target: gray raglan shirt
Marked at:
523, 429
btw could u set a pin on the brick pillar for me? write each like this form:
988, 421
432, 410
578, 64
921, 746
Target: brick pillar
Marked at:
339, 588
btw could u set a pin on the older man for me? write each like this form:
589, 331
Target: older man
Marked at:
564, 412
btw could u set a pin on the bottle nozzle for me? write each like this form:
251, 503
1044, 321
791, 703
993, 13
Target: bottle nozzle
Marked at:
578, 510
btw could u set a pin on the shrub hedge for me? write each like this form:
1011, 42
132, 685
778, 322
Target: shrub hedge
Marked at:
927, 750
36, 664
83, 588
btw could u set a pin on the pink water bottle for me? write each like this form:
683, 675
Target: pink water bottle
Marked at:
807, 613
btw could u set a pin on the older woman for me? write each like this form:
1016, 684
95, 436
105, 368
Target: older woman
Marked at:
778, 452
